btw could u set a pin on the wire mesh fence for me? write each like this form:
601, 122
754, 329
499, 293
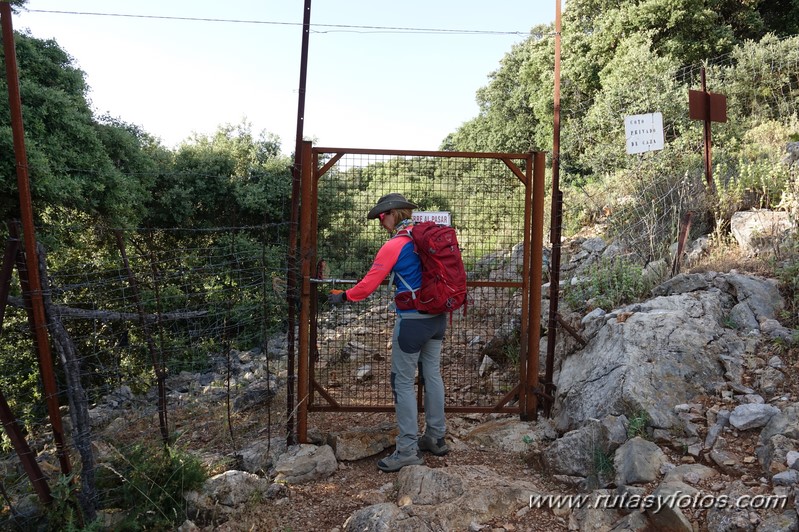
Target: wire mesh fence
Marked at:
178, 338
489, 205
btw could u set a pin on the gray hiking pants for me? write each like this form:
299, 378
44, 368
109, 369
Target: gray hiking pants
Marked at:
417, 343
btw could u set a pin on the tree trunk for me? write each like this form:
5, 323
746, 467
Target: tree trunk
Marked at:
76, 395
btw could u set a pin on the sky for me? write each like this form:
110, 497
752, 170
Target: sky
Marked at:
367, 87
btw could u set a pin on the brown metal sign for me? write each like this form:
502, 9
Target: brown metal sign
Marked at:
707, 106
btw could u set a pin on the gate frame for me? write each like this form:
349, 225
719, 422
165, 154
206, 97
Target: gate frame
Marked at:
527, 388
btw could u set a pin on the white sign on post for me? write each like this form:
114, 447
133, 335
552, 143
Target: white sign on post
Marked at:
439, 217
643, 132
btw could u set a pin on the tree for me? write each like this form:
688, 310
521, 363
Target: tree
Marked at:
780, 16
229, 178
515, 107
70, 166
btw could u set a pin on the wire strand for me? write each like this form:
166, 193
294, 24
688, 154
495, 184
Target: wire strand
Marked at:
336, 28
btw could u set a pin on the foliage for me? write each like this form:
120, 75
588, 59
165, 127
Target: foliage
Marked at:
19, 370
612, 283
760, 81
70, 165
148, 483
603, 465
92, 175
656, 90
637, 423
626, 57
780, 16
749, 173
515, 107
788, 275
63, 514
231, 178
602, 470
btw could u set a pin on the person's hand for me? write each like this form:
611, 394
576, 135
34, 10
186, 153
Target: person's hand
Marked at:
337, 296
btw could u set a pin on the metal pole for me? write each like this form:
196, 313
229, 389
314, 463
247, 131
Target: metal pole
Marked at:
555, 229
708, 140
306, 32
23, 450
291, 276
537, 240
26, 214
13, 428
308, 258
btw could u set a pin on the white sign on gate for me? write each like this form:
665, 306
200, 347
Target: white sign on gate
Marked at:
439, 217
643, 132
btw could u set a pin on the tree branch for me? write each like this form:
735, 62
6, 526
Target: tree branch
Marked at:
110, 315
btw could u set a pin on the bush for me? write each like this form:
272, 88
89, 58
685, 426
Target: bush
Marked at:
612, 284
788, 275
148, 483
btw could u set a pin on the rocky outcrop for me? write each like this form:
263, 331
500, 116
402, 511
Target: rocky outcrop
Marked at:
648, 357
761, 232
305, 463
222, 494
451, 498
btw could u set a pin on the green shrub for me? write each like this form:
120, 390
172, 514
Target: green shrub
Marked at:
788, 275
602, 469
603, 464
148, 484
637, 424
63, 515
612, 283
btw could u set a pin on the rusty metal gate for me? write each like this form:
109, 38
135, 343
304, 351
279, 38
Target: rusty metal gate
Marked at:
489, 361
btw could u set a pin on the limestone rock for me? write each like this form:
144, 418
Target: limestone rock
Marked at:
451, 498
511, 435
762, 231
638, 461
257, 394
665, 352
305, 463
670, 517
619, 369
360, 443
384, 517
260, 455
784, 522
752, 416
223, 493
576, 452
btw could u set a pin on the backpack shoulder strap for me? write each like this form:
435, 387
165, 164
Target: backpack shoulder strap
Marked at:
405, 232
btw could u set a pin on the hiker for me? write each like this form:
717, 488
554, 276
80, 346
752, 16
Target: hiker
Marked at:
416, 341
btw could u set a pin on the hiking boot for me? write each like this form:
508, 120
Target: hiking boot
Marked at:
438, 447
396, 461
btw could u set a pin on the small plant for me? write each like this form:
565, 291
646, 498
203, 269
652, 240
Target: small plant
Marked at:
512, 349
612, 283
788, 276
5, 443
602, 470
148, 483
603, 464
728, 323
63, 514
637, 424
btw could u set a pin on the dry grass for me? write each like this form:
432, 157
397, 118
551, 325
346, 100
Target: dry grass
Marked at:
725, 255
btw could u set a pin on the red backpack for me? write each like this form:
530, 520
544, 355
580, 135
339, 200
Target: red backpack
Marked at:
443, 275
